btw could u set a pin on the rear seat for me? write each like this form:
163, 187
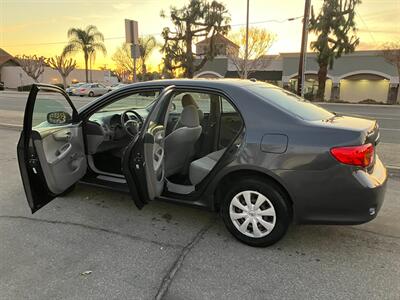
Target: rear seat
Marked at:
199, 168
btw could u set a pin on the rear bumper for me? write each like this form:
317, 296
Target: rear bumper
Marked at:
341, 195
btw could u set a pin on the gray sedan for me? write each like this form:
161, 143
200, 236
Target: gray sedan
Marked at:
259, 155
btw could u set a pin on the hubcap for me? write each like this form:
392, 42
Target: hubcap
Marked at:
252, 214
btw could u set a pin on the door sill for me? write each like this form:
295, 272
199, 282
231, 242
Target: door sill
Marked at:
179, 188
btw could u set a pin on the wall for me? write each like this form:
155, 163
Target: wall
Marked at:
14, 76
361, 60
361, 89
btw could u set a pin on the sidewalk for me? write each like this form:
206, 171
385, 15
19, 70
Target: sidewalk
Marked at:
388, 152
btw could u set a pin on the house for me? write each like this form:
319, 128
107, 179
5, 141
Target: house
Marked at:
6, 60
354, 77
14, 76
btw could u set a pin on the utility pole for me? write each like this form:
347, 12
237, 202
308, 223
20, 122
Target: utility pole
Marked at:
246, 53
303, 51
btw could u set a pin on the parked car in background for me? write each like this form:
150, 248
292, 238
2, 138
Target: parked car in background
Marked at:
72, 87
260, 155
117, 86
91, 90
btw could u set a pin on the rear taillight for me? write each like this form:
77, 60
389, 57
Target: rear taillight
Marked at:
362, 156
82, 90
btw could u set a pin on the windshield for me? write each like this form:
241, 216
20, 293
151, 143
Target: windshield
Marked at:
289, 102
134, 101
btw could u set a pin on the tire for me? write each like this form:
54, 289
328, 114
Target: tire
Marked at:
67, 191
91, 94
272, 218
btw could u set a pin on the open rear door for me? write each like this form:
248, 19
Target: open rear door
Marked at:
143, 161
50, 150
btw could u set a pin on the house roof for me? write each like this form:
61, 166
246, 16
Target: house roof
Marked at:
259, 75
5, 57
218, 38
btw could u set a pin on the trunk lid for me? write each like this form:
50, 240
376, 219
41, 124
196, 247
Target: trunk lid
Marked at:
369, 129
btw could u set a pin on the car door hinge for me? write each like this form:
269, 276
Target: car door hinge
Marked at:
138, 161
33, 162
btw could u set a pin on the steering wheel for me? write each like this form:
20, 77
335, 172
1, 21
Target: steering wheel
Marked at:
131, 123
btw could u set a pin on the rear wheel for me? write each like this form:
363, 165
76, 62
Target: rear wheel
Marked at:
91, 94
256, 212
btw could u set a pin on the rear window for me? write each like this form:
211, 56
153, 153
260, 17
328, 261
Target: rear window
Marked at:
289, 102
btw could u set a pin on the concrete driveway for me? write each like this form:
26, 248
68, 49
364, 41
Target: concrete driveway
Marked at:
95, 244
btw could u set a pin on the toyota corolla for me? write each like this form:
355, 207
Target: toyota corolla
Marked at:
259, 155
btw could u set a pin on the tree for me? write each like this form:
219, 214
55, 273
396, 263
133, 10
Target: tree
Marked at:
63, 65
260, 41
336, 31
391, 53
123, 62
146, 46
198, 19
32, 65
88, 40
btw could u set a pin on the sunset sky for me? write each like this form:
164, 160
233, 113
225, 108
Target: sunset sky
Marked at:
40, 26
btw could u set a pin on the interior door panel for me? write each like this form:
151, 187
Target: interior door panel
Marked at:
50, 150
61, 155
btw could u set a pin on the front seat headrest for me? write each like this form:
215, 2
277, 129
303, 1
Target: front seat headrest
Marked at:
190, 116
188, 100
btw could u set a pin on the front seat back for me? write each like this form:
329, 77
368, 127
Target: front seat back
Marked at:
179, 144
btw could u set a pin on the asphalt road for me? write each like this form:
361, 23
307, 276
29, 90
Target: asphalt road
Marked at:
387, 116
180, 252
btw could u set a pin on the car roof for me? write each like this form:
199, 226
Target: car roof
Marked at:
200, 82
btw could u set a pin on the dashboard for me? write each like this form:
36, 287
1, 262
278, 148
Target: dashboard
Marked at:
105, 132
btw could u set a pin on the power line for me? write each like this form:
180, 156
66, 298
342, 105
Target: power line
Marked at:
156, 33
366, 26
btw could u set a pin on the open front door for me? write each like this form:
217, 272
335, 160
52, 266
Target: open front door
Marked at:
143, 161
50, 150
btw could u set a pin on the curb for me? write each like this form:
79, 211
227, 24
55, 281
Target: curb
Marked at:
393, 170
10, 126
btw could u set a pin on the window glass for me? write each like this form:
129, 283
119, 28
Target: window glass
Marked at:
227, 107
230, 123
47, 102
202, 101
289, 102
136, 100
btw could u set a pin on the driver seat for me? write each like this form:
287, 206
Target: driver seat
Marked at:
179, 144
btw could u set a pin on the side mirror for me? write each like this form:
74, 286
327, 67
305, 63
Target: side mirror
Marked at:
59, 118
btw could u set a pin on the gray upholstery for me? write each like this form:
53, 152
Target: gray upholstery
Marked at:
187, 100
202, 166
189, 116
179, 144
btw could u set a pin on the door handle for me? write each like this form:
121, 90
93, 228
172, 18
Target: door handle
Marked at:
64, 136
62, 152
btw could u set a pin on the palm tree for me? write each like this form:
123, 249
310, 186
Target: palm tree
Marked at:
146, 46
88, 40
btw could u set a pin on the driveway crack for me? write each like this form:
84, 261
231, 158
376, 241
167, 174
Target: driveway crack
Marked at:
169, 277
90, 227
